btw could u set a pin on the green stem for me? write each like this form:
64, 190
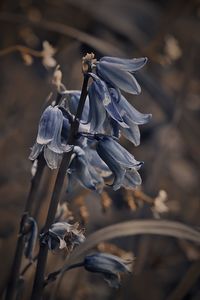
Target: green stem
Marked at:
42, 258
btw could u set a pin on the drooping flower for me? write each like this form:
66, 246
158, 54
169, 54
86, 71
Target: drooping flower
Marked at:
52, 136
110, 266
81, 169
131, 117
96, 161
99, 93
121, 163
118, 72
30, 237
123, 116
63, 235
73, 97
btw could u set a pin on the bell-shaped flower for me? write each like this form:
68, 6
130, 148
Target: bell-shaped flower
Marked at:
73, 97
82, 171
63, 235
52, 133
96, 161
110, 266
119, 160
118, 72
130, 116
100, 99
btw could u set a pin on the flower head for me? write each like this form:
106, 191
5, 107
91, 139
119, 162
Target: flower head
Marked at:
110, 266
52, 136
120, 162
107, 103
63, 235
130, 116
80, 169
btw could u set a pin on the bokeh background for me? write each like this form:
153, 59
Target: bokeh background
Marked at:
168, 33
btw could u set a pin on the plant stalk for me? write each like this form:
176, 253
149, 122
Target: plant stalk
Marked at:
15, 269
42, 258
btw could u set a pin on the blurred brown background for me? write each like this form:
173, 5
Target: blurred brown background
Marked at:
168, 33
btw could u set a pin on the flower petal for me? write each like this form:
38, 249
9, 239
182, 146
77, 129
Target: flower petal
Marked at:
114, 150
55, 144
85, 173
35, 151
48, 122
102, 93
53, 159
130, 65
117, 170
117, 77
73, 101
132, 179
97, 113
136, 117
132, 133
95, 160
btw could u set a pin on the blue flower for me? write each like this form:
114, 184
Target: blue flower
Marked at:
118, 72
52, 136
73, 97
100, 97
122, 164
81, 170
96, 162
131, 117
110, 266
123, 116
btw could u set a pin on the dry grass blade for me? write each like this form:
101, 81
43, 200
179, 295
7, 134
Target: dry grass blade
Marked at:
96, 43
156, 227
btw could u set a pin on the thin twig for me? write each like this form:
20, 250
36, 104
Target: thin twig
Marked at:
54, 275
21, 49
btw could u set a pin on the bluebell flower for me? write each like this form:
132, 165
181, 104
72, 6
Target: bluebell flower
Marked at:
100, 97
81, 170
122, 164
131, 117
73, 97
63, 235
118, 72
123, 116
50, 136
110, 266
96, 161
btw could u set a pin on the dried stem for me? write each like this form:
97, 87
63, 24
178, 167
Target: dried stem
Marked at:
42, 258
15, 269
22, 50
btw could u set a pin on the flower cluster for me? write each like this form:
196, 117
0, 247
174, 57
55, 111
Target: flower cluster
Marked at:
97, 155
